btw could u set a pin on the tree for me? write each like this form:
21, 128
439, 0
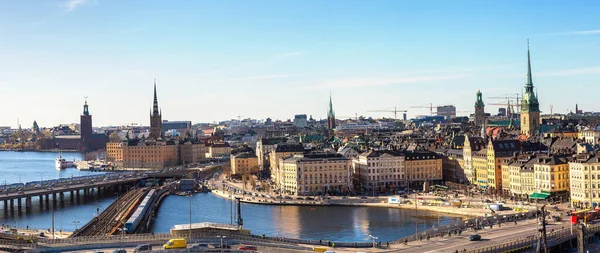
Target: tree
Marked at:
252, 181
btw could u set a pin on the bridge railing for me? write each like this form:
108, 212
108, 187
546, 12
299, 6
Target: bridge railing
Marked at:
462, 225
553, 238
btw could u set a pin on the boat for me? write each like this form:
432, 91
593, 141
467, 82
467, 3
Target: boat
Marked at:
60, 163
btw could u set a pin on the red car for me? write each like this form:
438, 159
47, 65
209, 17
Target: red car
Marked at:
247, 247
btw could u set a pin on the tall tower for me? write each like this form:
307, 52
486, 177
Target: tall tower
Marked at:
530, 107
330, 115
479, 110
155, 118
85, 127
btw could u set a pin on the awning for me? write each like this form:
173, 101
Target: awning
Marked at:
539, 195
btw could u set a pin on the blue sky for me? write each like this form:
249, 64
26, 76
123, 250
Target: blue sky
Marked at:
215, 60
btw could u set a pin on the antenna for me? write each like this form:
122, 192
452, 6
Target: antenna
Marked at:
551, 106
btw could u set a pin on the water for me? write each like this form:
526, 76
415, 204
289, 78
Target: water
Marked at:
22, 167
325, 223
339, 223
25, 167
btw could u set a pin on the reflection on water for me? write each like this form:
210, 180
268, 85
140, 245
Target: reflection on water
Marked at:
327, 223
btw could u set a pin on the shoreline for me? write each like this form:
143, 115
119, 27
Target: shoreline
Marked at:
464, 213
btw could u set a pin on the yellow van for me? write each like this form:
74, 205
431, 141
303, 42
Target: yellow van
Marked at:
319, 249
175, 244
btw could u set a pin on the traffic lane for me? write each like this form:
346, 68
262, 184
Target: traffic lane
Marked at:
234, 248
489, 237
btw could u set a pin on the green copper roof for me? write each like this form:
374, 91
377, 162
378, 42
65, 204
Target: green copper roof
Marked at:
529, 103
479, 102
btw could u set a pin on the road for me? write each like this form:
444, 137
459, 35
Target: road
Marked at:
507, 232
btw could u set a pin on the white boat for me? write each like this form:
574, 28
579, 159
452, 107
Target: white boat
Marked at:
60, 163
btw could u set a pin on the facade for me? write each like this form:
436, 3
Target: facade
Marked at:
191, 152
155, 118
479, 110
590, 136
584, 180
264, 147
530, 107
179, 126
330, 116
143, 154
497, 151
471, 145
282, 151
551, 175
453, 166
423, 166
379, 171
480, 167
300, 121
447, 111
518, 180
316, 174
217, 150
149, 153
244, 164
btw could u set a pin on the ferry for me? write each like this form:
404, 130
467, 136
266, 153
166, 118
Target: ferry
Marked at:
62, 163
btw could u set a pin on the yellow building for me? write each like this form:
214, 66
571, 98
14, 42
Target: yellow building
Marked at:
551, 175
143, 153
527, 180
316, 174
423, 166
283, 150
150, 153
480, 167
244, 163
584, 180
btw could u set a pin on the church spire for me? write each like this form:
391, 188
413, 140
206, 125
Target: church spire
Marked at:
330, 112
155, 105
529, 83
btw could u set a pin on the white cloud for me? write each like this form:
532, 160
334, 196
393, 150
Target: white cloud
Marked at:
584, 32
367, 82
261, 77
71, 5
290, 54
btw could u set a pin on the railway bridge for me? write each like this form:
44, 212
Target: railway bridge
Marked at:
77, 186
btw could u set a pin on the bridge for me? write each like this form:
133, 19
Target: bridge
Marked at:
87, 186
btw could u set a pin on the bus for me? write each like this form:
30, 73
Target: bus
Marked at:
586, 215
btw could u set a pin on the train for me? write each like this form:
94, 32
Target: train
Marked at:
134, 221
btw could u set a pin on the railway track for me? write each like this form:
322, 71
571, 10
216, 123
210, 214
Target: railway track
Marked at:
108, 222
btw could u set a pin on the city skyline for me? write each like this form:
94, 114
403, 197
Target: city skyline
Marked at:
216, 60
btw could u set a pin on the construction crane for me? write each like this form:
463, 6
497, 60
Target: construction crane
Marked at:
515, 96
430, 106
395, 111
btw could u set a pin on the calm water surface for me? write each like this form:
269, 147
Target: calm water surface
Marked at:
326, 223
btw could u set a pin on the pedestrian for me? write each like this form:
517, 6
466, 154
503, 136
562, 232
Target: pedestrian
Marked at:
405, 241
387, 244
320, 241
333, 245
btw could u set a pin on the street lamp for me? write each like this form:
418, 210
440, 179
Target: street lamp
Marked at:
374, 238
41, 178
190, 197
